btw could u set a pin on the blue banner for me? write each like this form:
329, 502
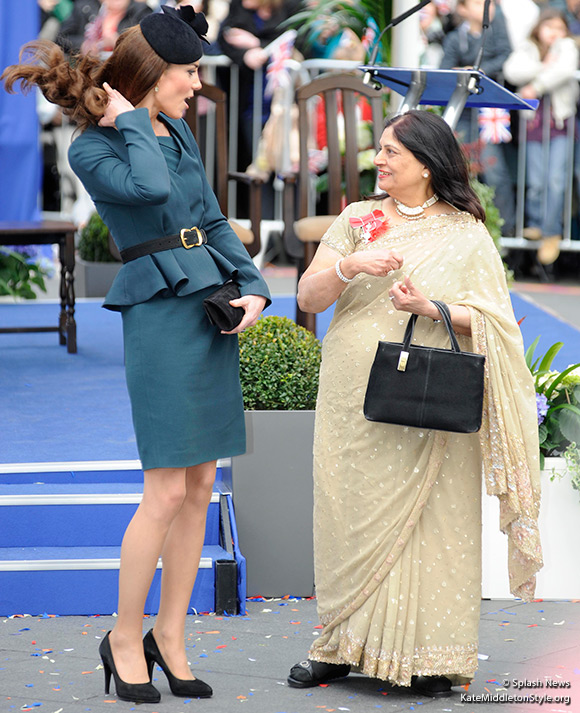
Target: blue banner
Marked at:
20, 157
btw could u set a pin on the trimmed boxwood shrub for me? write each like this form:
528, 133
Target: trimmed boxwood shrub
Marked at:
94, 241
279, 364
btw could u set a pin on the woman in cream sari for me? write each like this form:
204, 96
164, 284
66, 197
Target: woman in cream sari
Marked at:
397, 513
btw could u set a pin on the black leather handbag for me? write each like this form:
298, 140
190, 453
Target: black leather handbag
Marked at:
219, 310
426, 387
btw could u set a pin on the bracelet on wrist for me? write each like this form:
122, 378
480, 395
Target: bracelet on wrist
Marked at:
339, 272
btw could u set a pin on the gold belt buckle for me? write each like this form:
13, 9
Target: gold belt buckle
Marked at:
184, 234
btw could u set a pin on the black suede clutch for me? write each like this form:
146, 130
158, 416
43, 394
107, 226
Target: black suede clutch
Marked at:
219, 310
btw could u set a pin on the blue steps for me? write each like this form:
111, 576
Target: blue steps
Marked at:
61, 527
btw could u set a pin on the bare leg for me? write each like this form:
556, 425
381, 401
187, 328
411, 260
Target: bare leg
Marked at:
163, 495
181, 555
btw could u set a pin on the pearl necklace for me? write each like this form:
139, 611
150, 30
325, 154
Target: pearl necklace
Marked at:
416, 212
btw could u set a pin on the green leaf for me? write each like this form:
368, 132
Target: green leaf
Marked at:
542, 432
530, 353
17, 275
546, 362
570, 424
559, 378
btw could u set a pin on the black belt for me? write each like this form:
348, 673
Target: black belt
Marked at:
186, 238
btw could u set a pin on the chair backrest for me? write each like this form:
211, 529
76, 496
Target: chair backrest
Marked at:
207, 119
339, 97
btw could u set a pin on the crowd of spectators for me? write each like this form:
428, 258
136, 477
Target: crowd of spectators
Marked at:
531, 48
243, 30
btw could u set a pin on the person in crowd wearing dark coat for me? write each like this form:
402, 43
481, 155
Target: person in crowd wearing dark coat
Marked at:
460, 50
248, 28
85, 12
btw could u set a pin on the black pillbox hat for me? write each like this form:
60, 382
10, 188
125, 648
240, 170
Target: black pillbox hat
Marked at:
176, 35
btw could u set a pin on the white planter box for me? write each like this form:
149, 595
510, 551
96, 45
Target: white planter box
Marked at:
93, 279
273, 500
560, 535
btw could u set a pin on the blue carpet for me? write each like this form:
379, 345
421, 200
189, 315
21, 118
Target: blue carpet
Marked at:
56, 406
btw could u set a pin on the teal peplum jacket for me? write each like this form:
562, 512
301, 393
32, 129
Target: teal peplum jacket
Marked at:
139, 199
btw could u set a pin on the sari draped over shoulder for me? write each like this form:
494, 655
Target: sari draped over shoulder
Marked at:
397, 510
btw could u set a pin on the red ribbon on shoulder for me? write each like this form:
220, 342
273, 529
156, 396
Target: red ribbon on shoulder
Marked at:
372, 225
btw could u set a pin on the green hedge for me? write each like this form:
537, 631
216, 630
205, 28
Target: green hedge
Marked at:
94, 241
279, 364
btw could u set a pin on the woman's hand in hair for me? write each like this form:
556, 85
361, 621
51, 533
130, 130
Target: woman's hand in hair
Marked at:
117, 105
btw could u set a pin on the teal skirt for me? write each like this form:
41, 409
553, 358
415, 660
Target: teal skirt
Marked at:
183, 382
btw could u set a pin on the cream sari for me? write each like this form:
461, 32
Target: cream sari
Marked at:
397, 511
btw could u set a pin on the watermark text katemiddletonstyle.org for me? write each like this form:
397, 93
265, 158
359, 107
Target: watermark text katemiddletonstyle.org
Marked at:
536, 698
549, 694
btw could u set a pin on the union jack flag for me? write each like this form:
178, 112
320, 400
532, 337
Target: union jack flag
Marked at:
368, 37
277, 74
494, 126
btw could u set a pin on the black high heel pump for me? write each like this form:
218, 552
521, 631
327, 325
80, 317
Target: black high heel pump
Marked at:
179, 687
134, 692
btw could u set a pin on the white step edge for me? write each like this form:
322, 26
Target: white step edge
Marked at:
78, 499
74, 564
84, 465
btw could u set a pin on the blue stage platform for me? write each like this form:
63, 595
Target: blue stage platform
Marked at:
57, 406
69, 474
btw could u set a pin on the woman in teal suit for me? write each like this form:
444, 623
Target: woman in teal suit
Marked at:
142, 167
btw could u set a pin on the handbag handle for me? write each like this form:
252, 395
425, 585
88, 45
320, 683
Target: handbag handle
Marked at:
445, 316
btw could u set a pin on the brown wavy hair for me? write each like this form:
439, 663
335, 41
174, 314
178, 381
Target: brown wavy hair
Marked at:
75, 83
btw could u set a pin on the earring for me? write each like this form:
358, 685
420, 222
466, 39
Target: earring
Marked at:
425, 174
156, 89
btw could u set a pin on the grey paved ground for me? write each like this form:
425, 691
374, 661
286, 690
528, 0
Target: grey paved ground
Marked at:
51, 665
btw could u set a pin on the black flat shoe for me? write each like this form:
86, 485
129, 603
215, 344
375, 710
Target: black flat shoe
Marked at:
134, 692
432, 686
312, 673
179, 687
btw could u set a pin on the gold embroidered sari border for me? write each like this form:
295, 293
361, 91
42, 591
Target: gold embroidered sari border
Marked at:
507, 476
459, 663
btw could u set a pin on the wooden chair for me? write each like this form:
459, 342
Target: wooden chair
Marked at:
339, 94
212, 124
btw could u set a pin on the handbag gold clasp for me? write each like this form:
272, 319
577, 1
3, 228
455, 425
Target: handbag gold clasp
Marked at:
403, 358
184, 234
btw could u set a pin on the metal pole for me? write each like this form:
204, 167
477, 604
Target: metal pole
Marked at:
521, 180
406, 37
